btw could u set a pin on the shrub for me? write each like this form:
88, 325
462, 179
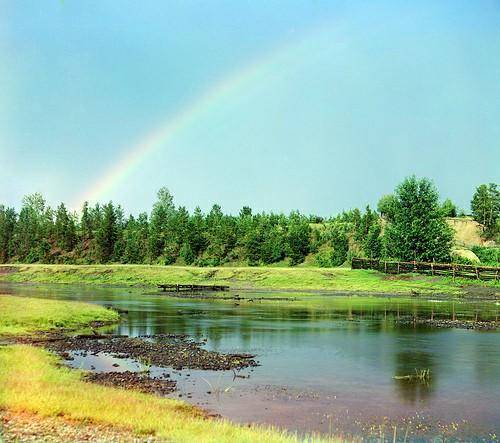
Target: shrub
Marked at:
488, 256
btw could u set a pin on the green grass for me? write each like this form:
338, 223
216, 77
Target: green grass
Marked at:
301, 278
20, 315
32, 381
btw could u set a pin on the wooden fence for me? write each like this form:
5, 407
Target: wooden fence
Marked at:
446, 269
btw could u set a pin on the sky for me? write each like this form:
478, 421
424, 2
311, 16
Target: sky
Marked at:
313, 105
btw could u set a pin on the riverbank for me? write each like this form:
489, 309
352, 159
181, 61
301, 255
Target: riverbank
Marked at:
27, 315
245, 278
34, 384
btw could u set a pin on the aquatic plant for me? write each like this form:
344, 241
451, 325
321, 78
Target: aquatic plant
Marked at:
421, 375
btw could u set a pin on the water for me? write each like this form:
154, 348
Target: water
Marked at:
327, 362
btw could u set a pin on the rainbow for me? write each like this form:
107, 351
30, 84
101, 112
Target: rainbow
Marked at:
163, 135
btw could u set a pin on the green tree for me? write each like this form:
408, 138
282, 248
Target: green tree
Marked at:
386, 206
107, 234
298, 238
418, 230
8, 220
64, 229
186, 253
373, 243
160, 226
33, 229
339, 241
196, 233
449, 208
485, 207
135, 239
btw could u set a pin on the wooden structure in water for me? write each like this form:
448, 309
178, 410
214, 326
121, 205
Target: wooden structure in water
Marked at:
443, 269
192, 288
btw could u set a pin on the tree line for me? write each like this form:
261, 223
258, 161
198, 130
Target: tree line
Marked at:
407, 225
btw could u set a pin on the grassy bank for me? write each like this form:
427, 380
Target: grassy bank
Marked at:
19, 315
331, 279
32, 381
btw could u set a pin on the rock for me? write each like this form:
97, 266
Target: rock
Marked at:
465, 254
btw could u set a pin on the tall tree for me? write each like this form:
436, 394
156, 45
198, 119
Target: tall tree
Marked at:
33, 230
64, 229
160, 226
373, 243
485, 206
107, 234
8, 219
298, 238
418, 230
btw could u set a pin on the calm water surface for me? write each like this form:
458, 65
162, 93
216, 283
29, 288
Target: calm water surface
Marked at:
327, 362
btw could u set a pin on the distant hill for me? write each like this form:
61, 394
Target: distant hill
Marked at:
468, 232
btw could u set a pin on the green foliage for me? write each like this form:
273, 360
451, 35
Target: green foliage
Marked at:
8, 220
485, 207
107, 234
373, 244
488, 256
449, 209
417, 230
161, 223
170, 234
298, 235
186, 254
386, 206
336, 237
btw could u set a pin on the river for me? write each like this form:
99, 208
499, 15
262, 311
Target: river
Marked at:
327, 363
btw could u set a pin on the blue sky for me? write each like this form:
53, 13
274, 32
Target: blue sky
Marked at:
353, 97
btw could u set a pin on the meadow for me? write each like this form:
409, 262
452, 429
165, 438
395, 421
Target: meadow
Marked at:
238, 278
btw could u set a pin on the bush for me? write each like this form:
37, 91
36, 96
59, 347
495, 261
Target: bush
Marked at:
488, 256
324, 258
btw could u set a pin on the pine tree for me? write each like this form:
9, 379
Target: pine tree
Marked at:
160, 231
64, 229
106, 234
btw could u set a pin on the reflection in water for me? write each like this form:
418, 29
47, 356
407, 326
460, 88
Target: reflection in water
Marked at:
328, 362
408, 363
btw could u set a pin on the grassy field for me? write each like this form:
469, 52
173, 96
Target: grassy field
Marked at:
32, 381
25, 315
321, 279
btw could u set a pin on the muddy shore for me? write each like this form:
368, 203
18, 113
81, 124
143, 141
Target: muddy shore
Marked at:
443, 323
165, 350
174, 351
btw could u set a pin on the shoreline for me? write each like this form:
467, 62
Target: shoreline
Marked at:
95, 402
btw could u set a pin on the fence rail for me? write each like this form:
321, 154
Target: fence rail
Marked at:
447, 269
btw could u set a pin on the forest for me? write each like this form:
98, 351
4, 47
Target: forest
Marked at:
409, 224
